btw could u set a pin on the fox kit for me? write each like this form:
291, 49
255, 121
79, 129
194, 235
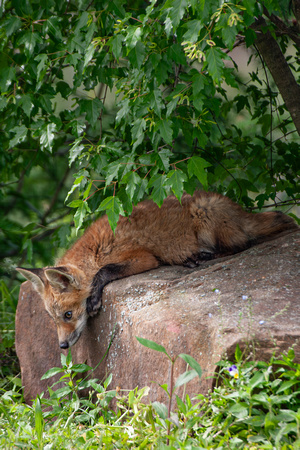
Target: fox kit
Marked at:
201, 227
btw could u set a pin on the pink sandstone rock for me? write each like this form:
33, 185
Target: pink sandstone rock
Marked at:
203, 312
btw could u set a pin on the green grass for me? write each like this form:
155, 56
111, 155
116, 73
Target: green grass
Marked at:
256, 407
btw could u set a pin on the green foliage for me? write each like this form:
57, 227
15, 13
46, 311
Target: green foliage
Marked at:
258, 408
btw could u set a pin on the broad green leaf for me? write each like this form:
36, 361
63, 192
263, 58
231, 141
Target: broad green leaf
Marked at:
76, 150
46, 104
78, 127
239, 410
69, 358
117, 7
113, 208
199, 82
229, 36
124, 109
47, 136
257, 379
11, 25
156, 102
80, 214
76, 185
89, 54
53, 26
176, 54
176, 10
137, 54
75, 203
81, 368
126, 164
176, 178
7, 76
163, 159
185, 377
168, 26
3, 103
193, 30
286, 385
87, 191
20, 135
171, 106
250, 37
30, 39
152, 345
131, 180
197, 166
50, 373
116, 45
137, 132
165, 130
140, 191
192, 362
160, 409
162, 71
107, 381
133, 36
159, 192
61, 392
215, 63
63, 359
92, 108
26, 104
112, 172
82, 21
64, 89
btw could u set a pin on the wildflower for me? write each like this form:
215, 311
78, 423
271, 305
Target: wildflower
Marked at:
244, 297
261, 322
217, 291
233, 371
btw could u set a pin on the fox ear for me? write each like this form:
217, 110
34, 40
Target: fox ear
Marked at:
36, 276
60, 279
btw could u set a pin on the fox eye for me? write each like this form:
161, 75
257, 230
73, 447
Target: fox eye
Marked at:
68, 315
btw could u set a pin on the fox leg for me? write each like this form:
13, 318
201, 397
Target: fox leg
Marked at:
129, 263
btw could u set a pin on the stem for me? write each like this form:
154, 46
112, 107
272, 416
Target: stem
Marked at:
170, 395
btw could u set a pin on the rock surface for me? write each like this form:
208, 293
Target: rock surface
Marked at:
204, 312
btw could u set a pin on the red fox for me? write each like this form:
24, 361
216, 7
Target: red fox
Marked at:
203, 226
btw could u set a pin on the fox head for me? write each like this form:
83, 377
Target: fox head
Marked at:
64, 291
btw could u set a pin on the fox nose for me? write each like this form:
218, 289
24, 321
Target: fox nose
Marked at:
64, 344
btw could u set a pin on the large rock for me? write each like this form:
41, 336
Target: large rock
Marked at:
251, 298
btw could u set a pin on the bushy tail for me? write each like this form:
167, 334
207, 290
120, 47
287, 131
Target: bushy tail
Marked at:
268, 224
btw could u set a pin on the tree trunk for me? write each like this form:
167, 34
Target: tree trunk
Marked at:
280, 70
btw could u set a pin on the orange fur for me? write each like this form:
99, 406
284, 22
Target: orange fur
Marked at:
203, 226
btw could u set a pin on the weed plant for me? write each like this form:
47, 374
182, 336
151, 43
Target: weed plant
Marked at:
255, 405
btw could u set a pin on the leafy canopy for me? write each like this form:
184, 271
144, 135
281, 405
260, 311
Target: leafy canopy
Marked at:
185, 114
